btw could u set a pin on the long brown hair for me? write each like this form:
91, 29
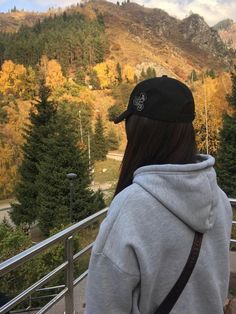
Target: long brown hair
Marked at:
154, 142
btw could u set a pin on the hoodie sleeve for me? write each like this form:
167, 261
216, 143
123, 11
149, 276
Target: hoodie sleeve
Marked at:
113, 269
109, 289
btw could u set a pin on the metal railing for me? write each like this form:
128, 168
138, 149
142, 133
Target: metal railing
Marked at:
68, 265
233, 203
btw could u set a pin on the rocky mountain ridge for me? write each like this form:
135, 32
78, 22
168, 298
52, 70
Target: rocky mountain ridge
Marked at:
227, 32
190, 38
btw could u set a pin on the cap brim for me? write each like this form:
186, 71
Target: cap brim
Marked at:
123, 116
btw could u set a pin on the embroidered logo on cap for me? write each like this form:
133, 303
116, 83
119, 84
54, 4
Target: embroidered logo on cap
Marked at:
139, 101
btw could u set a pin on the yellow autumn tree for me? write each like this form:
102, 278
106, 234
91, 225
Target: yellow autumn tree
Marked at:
54, 77
11, 139
17, 84
12, 79
128, 73
17, 81
210, 98
106, 73
52, 73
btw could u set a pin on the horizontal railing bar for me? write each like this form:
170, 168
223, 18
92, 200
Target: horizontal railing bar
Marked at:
44, 297
232, 201
80, 278
232, 241
32, 309
50, 288
53, 301
82, 252
24, 256
20, 297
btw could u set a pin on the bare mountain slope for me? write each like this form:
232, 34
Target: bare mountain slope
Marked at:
154, 35
11, 22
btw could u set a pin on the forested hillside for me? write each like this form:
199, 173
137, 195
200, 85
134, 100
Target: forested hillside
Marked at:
74, 40
90, 57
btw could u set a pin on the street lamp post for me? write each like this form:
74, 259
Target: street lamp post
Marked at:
71, 177
81, 128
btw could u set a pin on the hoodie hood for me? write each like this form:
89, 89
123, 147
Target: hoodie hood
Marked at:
187, 191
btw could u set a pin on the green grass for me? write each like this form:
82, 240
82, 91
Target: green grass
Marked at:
110, 175
106, 175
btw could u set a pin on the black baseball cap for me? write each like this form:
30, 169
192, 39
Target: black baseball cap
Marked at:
161, 98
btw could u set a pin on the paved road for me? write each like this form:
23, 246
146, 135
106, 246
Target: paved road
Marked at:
5, 205
101, 186
115, 156
4, 212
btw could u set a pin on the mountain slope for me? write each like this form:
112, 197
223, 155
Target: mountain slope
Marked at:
156, 36
227, 32
146, 37
11, 22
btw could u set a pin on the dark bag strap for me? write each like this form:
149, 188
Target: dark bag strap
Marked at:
169, 302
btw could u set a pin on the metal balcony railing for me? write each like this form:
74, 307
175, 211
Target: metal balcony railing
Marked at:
68, 265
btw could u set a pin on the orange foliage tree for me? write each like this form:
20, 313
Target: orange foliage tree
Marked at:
17, 81
52, 73
17, 87
210, 98
11, 139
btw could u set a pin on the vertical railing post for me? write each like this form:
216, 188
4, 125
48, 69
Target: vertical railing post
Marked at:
69, 298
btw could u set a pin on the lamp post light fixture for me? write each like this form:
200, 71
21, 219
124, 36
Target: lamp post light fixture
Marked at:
71, 177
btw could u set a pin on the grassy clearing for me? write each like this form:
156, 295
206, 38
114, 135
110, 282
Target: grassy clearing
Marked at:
106, 171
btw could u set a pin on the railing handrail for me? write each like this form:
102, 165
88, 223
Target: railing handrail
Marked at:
26, 255
66, 235
232, 201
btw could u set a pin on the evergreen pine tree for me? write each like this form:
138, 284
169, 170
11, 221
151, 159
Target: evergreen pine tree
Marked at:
149, 73
99, 147
154, 73
143, 75
194, 76
112, 140
226, 164
25, 212
80, 77
94, 80
113, 112
62, 156
119, 73
212, 74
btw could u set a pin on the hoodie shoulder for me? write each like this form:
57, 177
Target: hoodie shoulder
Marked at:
119, 207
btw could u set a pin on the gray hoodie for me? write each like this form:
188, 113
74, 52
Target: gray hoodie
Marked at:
144, 243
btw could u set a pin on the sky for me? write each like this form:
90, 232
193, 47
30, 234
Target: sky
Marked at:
212, 10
